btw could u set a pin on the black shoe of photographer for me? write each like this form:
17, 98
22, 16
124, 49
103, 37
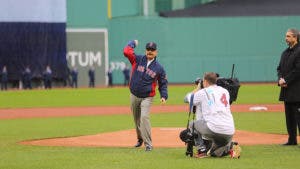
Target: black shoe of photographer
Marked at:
139, 143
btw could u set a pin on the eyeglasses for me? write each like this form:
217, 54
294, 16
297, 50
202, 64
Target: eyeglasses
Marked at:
150, 49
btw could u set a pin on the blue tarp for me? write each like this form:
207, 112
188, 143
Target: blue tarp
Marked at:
35, 45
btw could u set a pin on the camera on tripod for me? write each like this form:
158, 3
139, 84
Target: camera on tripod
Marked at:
231, 84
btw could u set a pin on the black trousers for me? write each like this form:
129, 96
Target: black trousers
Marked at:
292, 117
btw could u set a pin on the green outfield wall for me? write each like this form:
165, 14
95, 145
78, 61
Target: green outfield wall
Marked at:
190, 46
187, 46
94, 13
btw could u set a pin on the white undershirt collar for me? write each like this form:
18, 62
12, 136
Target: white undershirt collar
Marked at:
149, 62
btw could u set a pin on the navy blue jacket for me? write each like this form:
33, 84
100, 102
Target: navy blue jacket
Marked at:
74, 74
126, 73
92, 75
144, 80
4, 77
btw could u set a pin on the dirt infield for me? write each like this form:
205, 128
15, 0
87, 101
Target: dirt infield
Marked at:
108, 110
162, 137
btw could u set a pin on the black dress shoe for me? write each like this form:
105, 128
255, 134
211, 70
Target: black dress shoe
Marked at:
289, 144
139, 143
148, 148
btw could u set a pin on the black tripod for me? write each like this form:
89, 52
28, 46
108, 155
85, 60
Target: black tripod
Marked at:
191, 134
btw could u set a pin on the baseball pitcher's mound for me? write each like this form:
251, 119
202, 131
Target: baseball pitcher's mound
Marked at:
162, 137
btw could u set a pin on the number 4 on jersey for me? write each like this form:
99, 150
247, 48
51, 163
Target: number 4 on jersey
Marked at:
224, 100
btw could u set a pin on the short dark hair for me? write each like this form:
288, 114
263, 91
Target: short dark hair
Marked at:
210, 77
295, 33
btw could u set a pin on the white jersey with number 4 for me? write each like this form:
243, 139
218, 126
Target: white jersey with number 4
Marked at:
214, 108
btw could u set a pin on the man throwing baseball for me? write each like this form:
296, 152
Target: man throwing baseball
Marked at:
146, 73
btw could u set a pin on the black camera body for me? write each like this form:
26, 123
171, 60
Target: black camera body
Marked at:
199, 80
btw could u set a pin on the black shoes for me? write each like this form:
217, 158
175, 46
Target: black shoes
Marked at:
139, 143
148, 148
289, 144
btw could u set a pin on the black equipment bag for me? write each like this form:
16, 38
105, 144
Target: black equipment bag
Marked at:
230, 84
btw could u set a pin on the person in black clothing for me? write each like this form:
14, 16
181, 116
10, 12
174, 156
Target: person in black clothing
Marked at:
4, 78
126, 72
110, 77
27, 78
289, 80
67, 80
91, 77
74, 75
48, 78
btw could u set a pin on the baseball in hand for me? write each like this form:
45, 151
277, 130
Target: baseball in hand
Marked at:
136, 42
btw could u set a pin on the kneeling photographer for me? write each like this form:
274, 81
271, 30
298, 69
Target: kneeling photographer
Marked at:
214, 121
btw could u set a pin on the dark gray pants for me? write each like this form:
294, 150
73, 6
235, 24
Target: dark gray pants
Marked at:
221, 143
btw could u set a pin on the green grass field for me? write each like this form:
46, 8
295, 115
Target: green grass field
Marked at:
15, 156
248, 94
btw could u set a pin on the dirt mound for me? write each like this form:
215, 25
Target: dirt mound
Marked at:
162, 137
